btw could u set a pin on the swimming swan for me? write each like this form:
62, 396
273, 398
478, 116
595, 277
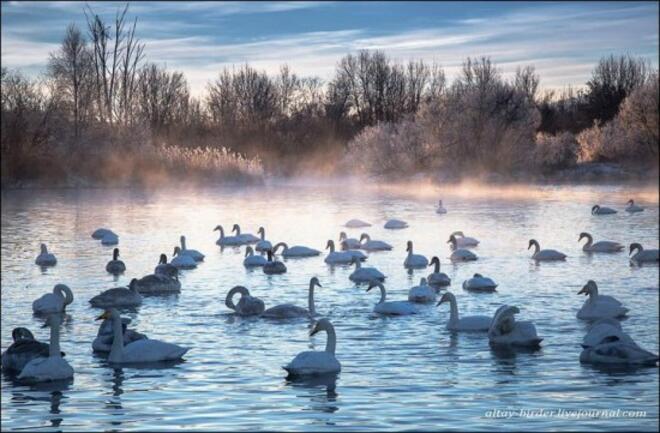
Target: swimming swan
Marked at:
632, 207
391, 308
24, 349
118, 297
104, 337
196, 255
463, 241
396, 224
612, 350
273, 266
351, 243
598, 210
55, 302
314, 363
479, 283
544, 255
599, 306
423, 293
365, 275
295, 251
468, 323
288, 311
600, 246
100, 233
356, 224
45, 258
460, 254
642, 255
143, 350
165, 268
602, 329
225, 241
263, 244
414, 261
247, 305
437, 278
115, 266
158, 284
440, 209
251, 260
182, 261
356, 254
370, 245
52, 367
245, 238
506, 331
337, 257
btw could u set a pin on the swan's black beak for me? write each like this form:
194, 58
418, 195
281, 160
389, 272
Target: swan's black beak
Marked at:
584, 290
441, 301
103, 316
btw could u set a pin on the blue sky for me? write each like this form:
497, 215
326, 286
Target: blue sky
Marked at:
563, 40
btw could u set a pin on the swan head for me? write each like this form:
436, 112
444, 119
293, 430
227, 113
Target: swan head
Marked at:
532, 242
133, 285
477, 276
458, 233
589, 288
446, 297
229, 300
409, 246
594, 209
583, 235
344, 246
64, 289
318, 326
314, 282
236, 229
177, 250
249, 251
21, 334
630, 202
261, 231
452, 240
364, 236
218, 227
635, 246
342, 236
115, 254
110, 313
44, 249
435, 261
330, 244
162, 260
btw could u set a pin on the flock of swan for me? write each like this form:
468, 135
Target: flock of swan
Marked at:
35, 361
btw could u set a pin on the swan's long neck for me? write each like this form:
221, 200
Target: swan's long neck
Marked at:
229, 301
437, 266
453, 309
410, 251
66, 293
537, 247
593, 295
222, 232
332, 246
331, 343
44, 249
590, 241
117, 348
54, 349
183, 243
263, 235
310, 299
383, 295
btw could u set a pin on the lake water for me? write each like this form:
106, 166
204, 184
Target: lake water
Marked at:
400, 373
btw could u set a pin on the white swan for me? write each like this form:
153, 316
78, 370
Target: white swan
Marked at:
643, 256
370, 245
263, 244
115, 266
104, 337
599, 306
166, 268
437, 278
143, 350
632, 207
395, 224
479, 283
55, 302
469, 323
251, 260
100, 233
612, 350
118, 297
544, 255
273, 266
182, 261
356, 254
602, 210
365, 275
225, 241
247, 305
288, 311
24, 349
351, 243
440, 209
50, 368
356, 224
110, 239
506, 331
196, 255
158, 283
463, 241
295, 251
314, 363
45, 258
602, 329
600, 246
337, 257
460, 254
245, 238
391, 308
414, 261
422, 293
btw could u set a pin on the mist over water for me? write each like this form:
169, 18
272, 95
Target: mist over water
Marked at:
401, 373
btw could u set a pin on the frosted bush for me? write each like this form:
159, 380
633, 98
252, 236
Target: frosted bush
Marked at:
555, 151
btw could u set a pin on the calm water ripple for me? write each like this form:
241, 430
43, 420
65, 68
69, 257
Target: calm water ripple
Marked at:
403, 373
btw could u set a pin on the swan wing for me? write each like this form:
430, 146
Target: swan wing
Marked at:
46, 369
313, 362
146, 350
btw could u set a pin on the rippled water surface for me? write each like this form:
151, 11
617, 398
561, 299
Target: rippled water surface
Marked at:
401, 373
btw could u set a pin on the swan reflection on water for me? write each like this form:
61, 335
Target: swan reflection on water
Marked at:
321, 390
52, 393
